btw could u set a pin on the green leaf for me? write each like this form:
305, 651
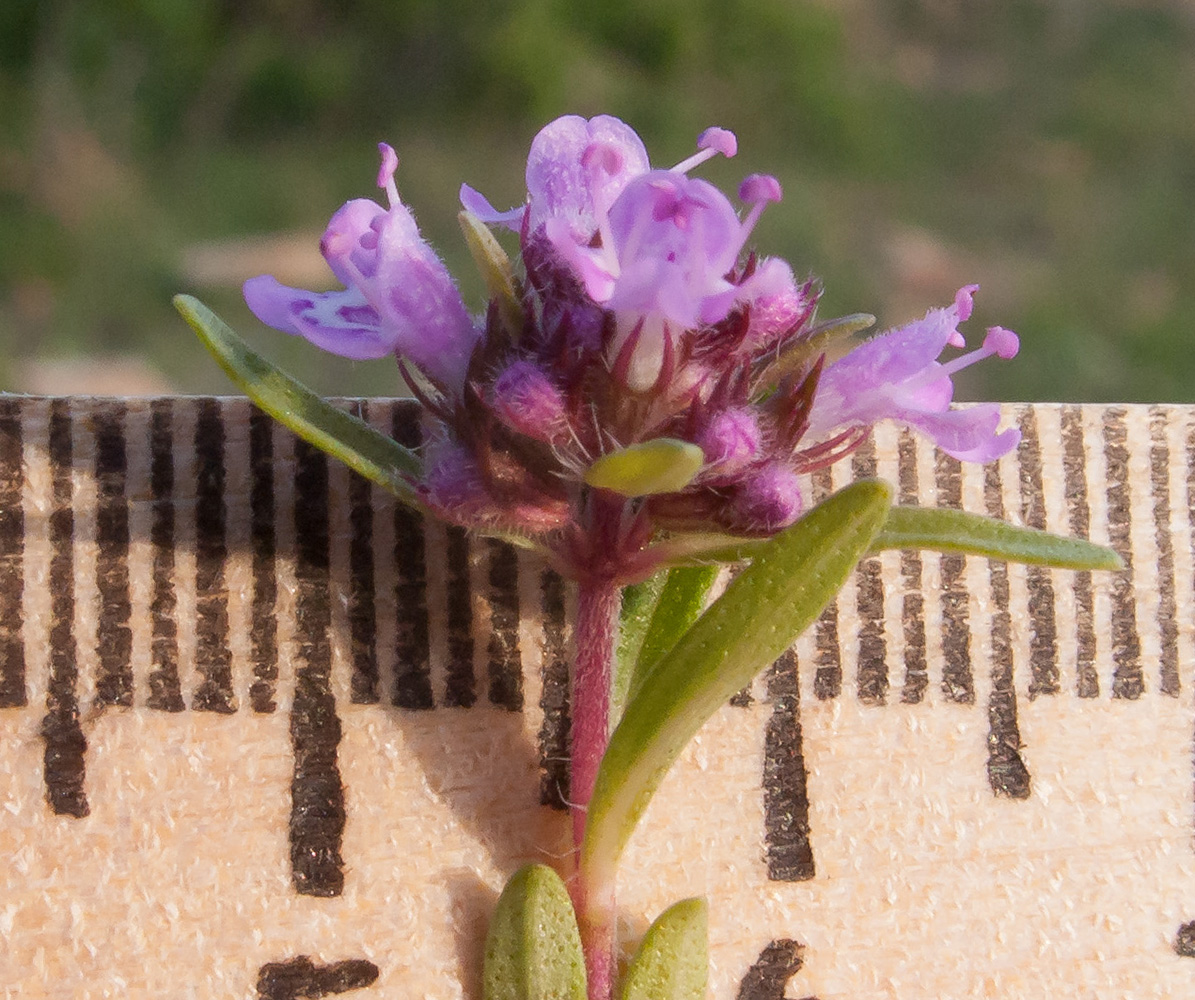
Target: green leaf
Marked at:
761, 613
681, 601
817, 340
672, 963
496, 270
959, 531
661, 465
639, 602
533, 948
354, 442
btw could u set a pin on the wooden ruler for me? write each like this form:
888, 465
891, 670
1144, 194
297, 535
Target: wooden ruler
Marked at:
265, 734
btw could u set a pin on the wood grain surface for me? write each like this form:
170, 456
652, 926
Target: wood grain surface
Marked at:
262, 734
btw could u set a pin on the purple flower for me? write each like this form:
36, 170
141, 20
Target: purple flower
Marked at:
661, 264
399, 296
897, 376
575, 170
639, 324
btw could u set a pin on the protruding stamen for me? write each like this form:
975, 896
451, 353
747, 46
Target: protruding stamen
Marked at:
1003, 343
760, 187
999, 342
710, 143
758, 190
386, 173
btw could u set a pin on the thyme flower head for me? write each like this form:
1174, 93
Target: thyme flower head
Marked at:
648, 381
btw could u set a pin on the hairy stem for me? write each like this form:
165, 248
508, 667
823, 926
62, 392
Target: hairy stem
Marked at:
596, 642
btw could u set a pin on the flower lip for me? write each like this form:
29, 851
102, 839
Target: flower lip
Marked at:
399, 297
897, 376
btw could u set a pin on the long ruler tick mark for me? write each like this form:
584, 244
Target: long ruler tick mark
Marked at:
65, 744
317, 795
1007, 773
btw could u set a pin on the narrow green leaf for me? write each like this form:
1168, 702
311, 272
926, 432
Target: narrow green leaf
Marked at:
638, 606
816, 341
496, 270
661, 465
680, 604
959, 531
762, 611
340, 434
533, 947
672, 963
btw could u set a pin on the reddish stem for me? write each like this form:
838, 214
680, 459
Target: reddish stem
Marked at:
596, 638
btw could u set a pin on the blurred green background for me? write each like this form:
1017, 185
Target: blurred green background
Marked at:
1043, 149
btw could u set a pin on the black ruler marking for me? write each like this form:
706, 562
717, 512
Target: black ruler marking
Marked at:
301, 978
12, 556
872, 678
65, 744
1159, 478
362, 611
913, 603
827, 679
317, 795
1043, 630
412, 643
555, 730
768, 977
114, 637
461, 689
1128, 680
958, 680
788, 850
1007, 773
213, 658
505, 662
165, 690
1074, 463
263, 616
1184, 941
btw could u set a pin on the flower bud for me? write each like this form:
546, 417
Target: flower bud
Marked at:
770, 499
731, 440
525, 399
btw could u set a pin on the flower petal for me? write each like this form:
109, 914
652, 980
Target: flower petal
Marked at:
479, 205
340, 322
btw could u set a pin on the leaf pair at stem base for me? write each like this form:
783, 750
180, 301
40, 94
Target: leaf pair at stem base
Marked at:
533, 948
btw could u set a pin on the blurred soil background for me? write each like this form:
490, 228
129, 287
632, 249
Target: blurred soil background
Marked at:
1043, 149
